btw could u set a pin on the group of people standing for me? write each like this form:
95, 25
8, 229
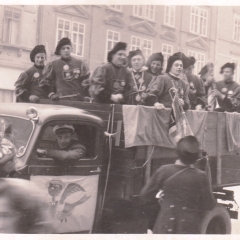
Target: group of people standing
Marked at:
125, 79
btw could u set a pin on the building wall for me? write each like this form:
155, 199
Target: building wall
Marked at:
14, 56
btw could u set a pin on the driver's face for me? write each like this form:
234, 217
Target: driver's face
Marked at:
64, 140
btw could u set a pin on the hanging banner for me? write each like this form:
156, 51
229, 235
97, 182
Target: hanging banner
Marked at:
71, 201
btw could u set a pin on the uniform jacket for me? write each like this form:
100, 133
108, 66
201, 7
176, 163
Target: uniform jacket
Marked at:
196, 85
161, 86
74, 152
107, 80
28, 84
226, 88
65, 77
186, 197
138, 99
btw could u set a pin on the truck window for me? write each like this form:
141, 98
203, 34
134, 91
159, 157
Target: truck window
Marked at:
82, 136
17, 131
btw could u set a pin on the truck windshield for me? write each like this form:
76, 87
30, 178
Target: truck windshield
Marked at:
16, 131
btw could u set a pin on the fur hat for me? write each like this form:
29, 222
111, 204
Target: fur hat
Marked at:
175, 57
133, 54
228, 65
119, 46
36, 50
155, 57
62, 42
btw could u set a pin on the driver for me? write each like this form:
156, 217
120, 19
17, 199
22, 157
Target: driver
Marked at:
65, 148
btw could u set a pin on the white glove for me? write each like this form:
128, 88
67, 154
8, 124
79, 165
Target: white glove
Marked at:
158, 105
116, 97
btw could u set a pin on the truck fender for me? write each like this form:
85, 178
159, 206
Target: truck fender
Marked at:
216, 221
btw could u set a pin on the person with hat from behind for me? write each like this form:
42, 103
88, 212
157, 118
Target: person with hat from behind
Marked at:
140, 77
185, 192
111, 82
64, 76
27, 85
161, 87
225, 87
196, 87
155, 64
65, 149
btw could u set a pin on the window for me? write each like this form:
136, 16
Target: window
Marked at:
75, 31
142, 44
236, 75
144, 11
167, 51
117, 7
236, 33
112, 38
11, 25
198, 22
169, 15
200, 61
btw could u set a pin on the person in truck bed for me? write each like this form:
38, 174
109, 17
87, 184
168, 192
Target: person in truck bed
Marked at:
65, 148
186, 192
27, 85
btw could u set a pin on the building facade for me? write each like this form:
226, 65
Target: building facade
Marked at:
199, 31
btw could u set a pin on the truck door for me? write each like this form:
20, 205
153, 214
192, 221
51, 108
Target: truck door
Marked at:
70, 187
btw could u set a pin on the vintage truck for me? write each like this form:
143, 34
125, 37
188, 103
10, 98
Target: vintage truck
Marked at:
97, 194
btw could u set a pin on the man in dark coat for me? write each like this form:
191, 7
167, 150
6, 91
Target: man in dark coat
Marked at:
225, 87
65, 76
164, 83
140, 78
155, 64
111, 82
186, 192
27, 85
196, 87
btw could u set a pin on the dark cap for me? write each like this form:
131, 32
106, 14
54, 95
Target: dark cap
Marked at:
155, 57
61, 129
62, 42
36, 50
228, 65
177, 56
119, 46
133, 54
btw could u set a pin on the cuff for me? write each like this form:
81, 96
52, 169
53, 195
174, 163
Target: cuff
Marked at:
50, 94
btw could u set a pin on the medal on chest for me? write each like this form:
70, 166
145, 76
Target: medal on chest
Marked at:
224, 90
65, 67
36, 75
138, 97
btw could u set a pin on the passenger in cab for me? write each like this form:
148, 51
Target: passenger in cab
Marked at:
28, 84
65, 148
140, 77
63, 77
186, 194
225, 87
196, 88
155, 64
111, 82
162, 86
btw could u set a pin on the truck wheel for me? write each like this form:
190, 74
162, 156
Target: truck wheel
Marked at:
216, 221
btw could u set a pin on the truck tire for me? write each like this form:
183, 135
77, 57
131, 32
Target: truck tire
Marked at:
216, 221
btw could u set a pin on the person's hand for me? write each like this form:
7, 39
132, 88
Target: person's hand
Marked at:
34, 99
54, 97
159, 106
216, 93
198, 107
180, 102
41, 152
116, 97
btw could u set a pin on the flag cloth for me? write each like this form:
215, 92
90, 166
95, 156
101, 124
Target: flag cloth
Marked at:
71, 201
148, 126
178, 126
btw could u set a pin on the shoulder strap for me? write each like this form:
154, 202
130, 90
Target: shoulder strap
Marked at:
175, 174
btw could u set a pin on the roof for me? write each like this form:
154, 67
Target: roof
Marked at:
47, 112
